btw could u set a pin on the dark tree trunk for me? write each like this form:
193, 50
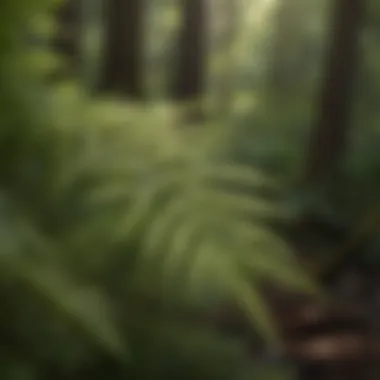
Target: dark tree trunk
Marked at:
122, 68
329, 135
189, 79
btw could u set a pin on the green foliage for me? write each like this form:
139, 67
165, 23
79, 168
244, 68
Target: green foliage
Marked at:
110, 224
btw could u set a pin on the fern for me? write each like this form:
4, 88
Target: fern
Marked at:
103, 204
186, 217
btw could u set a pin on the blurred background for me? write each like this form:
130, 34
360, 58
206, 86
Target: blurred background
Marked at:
189, 189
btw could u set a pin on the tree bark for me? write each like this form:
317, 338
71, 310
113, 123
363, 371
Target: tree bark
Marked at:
189, 79
328, 138
122, 69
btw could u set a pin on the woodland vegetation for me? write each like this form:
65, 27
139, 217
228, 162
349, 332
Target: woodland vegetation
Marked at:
189, 189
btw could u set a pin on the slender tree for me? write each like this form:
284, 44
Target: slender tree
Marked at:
122, 69
328, 142
329, 136
189, 79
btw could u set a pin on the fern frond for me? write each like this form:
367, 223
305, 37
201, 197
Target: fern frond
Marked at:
191, 217
27, 256
102, 201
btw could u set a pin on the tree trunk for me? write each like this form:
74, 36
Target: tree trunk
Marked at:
122, 69
329, 135
189, 79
